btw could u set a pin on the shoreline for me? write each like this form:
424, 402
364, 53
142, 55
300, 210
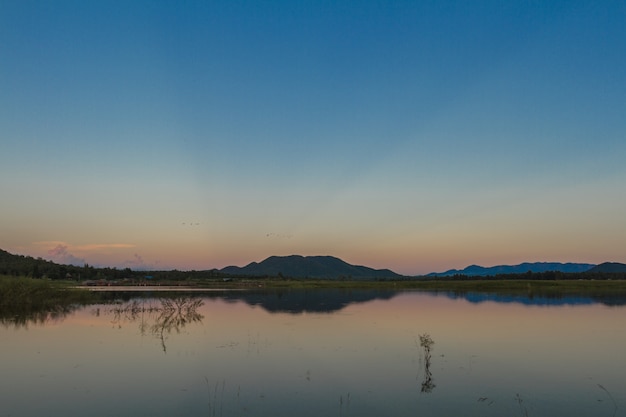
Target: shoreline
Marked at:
480, 285
153, 288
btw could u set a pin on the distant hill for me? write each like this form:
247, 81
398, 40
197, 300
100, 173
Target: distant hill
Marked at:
324, 267
475, 270
297, 266
608, 267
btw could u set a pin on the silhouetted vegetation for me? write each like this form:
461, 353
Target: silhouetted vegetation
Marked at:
27, 266
24, 300
596, 280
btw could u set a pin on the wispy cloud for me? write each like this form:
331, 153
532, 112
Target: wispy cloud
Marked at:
61, 255
137, 263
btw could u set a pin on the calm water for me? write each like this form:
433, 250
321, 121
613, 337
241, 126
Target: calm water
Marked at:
319, 353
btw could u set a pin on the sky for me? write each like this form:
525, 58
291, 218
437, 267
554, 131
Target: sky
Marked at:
418, 136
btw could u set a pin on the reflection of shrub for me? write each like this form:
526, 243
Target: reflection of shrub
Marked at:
171, 314
426, 342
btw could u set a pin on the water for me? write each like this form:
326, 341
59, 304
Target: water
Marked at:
319, 353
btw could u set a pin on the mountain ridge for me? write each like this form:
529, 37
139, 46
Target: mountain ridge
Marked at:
476, 270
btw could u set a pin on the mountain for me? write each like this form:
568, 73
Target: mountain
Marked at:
475, 270
608, 267
297, 266
289, 266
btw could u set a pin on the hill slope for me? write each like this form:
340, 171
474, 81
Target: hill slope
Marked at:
297, 266
608, 267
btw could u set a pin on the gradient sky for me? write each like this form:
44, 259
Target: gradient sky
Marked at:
413, 135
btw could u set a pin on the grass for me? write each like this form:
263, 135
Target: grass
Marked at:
25, 299
32, 291
611, 397
522, 407
217, 404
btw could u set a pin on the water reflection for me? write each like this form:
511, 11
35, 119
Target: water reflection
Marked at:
160, 319
307, 301
21, 316
237, 355
333, 300
175, 310
294, 301
426, 343
530, 299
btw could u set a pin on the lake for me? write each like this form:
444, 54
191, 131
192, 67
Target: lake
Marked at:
318, 353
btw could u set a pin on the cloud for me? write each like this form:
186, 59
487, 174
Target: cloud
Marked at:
138, 264
66, 253
60, 254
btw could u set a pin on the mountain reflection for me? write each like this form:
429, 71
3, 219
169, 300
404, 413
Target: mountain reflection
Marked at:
308, 301
292, 301
330, 300
161, 318
173, 311
538, 300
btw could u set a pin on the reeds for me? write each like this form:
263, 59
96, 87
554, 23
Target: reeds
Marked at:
216, 406
611, 397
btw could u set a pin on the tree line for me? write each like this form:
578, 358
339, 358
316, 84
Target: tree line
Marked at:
27, 266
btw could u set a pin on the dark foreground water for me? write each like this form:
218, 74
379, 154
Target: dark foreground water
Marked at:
319, 353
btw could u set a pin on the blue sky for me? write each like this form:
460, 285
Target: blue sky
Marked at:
418, 136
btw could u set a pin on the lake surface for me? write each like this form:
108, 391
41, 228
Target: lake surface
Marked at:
319, 353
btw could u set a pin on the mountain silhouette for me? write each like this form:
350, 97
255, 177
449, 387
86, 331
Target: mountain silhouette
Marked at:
475, 270
608, 267
296, 266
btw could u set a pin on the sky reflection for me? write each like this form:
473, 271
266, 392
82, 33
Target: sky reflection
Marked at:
366, 359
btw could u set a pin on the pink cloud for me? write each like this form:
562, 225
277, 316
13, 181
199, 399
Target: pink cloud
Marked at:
60, 254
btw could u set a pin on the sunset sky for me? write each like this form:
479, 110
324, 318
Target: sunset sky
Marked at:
412, 135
